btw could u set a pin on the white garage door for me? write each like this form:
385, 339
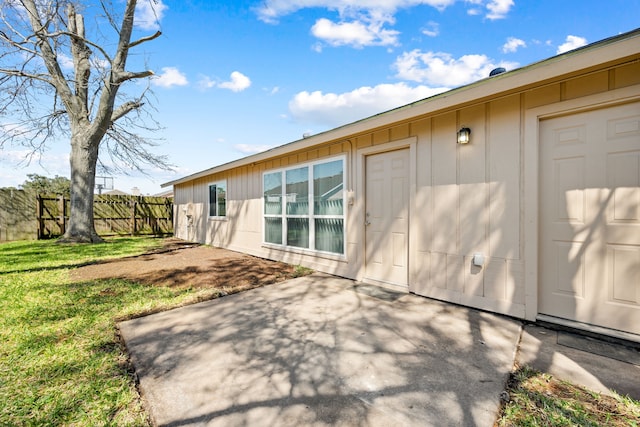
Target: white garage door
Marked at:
590, 218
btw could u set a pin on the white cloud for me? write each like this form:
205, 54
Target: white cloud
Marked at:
571, 42
170, 77
149, 13
271, 10
512, 45
238, 82
332, 109
432, 29
206, 83
362, 22
251, 149
18, 163
19, 156
355, 33
441, 69
65, 61
498, 9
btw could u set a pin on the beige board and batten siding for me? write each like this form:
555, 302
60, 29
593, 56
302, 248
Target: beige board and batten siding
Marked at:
480, 198
468, 201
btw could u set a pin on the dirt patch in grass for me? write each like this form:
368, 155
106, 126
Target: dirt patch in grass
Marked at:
180, 264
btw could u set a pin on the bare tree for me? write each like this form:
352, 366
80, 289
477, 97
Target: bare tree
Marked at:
55, 80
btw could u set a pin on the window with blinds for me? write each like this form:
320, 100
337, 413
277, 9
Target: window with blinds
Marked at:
304, 206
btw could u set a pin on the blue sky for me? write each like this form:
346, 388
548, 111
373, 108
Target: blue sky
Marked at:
235, 78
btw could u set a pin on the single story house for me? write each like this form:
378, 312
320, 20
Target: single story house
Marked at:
517, 194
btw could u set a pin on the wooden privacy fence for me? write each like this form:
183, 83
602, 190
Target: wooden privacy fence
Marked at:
17, 215
112, 215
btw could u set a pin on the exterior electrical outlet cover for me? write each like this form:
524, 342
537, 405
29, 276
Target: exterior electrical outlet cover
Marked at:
478, 260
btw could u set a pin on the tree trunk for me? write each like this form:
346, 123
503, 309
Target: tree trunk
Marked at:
84, 157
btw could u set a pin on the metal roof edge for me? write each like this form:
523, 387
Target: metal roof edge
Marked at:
510, 80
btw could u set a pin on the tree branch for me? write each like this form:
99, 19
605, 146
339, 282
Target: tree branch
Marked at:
124, 109
107, 98
109, 17
144, 39
129, 75
48, 54
17, 44
83, 40
81, 54
22, 74
120, 59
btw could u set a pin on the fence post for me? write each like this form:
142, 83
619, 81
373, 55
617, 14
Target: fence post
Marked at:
133, 217
169, 207
40, 221
61, 214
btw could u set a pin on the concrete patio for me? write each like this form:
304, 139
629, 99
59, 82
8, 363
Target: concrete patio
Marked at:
321, 350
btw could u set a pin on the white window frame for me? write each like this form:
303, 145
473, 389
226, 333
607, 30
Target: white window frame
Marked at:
226, 199
311, 216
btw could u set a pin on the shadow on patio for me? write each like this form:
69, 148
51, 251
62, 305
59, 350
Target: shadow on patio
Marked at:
321, 350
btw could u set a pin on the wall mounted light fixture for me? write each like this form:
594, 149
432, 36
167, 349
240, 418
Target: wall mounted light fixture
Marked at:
464, 135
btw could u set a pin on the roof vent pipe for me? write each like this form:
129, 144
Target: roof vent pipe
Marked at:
497, 71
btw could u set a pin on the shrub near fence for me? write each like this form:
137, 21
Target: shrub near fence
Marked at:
113, 215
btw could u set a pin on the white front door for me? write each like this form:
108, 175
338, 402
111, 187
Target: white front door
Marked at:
387, 217
590, 218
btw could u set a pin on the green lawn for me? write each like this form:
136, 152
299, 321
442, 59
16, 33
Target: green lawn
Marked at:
61, 362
